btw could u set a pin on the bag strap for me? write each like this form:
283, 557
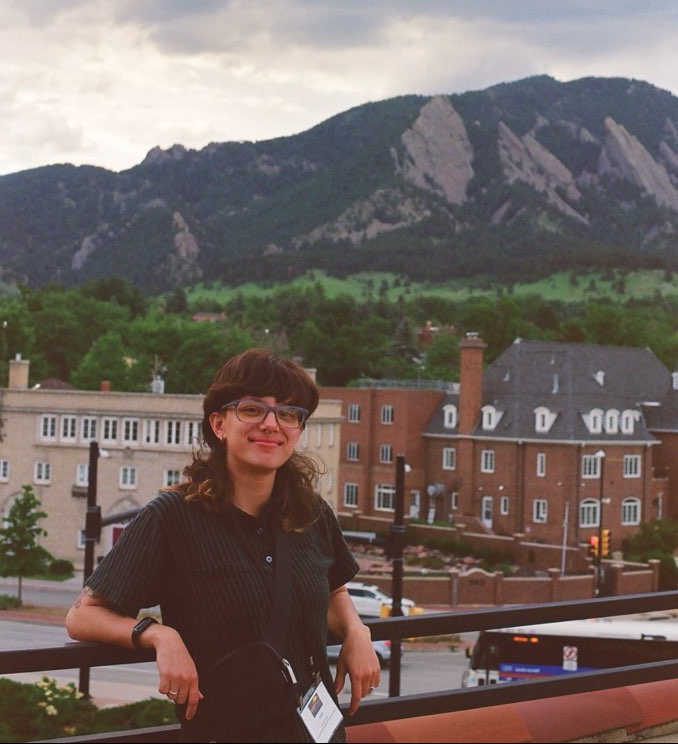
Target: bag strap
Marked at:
282, 584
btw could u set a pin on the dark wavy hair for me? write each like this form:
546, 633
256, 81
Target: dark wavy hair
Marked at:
259, 373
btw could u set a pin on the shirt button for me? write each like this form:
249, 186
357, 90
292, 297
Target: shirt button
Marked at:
269, 559
260, 531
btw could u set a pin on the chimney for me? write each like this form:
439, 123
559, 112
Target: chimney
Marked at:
470, 381
18, 373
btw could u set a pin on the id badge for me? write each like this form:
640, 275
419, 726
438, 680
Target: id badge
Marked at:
319, 713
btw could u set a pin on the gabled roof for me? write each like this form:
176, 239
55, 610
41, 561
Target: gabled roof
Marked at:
570, 380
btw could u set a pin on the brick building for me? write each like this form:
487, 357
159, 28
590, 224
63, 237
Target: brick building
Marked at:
551, 440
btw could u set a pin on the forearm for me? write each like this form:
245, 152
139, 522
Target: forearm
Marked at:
342, 618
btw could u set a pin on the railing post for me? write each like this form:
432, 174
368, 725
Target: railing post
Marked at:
397, 541
92, 536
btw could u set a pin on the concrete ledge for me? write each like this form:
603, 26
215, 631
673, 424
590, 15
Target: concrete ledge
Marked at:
622, 714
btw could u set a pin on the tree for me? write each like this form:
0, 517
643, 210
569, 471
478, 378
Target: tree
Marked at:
20, 554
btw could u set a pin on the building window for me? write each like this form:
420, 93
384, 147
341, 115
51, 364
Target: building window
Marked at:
109, 430
590, 466
152, 431
450, 416
628, 419
88, 429
173, 432
4, 470
82, 475
489, 417
48, 427
387, 414
487, 461
193, 433
352, 451
42, 472
630, 511
171, 478
541, 464
589, 510
540, 510
128, 477
543, 419
350, 494
631, 466
385, 453
384, 494
130, 431
69, 428
504, 505
354, 412
449, 458
454, 500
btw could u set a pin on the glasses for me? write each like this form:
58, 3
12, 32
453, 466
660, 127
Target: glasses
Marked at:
254, 412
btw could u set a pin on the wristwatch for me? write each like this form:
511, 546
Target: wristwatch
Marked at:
139, 628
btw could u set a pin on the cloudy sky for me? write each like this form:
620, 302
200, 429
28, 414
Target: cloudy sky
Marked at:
102, 82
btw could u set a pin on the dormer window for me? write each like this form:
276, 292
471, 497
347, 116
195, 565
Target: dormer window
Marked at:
628, 419
450, 416
612, 421
594, 420
491, 417
543, 419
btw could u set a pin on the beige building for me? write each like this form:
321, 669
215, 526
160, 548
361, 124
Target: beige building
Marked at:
144, 439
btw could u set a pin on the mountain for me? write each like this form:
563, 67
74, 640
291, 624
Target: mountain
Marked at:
515, 181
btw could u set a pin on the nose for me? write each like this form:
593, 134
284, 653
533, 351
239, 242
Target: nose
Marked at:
270, 421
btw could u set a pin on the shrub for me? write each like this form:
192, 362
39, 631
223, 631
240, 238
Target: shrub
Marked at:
9, 602
60, 567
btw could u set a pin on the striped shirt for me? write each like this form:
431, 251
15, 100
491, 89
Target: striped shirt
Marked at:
212, 575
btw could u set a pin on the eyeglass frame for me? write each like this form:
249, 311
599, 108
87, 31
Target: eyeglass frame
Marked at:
269, 409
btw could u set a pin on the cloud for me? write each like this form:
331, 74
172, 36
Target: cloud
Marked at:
104, 81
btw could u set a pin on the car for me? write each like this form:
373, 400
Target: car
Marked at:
381, 648
369, 600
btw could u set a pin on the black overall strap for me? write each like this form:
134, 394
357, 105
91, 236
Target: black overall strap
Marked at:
282, 586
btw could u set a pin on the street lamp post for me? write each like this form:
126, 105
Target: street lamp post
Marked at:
599, 555
396, 550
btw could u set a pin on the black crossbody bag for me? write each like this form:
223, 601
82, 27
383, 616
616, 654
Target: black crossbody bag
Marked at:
254, 686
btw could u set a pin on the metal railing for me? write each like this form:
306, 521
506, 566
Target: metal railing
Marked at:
85, 654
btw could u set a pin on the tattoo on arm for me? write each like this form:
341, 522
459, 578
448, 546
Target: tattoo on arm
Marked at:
86, 592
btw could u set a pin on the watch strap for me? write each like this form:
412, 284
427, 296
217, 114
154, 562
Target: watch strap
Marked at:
139, 628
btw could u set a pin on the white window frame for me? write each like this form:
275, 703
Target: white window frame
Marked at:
630, 510
152, 431
590, 466
450, 416
352, 451
69, 428
504, 505
384, 497
449, 458
48, 427
128, 477
540, 511
487, 461
353, 413
88, 428
109, 430
454, 500
589, 513
385, 453
82, 474
171, 477
350, 494
632, 466
541, 465
42, 472
130, 431
387, 414
173, 432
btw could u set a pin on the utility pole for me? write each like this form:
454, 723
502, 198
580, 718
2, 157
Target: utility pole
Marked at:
396, 550
599, 555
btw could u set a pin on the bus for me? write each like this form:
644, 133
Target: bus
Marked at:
532, 651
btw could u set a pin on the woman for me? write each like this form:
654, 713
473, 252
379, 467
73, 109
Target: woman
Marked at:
203, 551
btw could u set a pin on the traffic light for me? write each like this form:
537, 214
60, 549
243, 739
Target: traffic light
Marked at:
593, 545
605, 544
